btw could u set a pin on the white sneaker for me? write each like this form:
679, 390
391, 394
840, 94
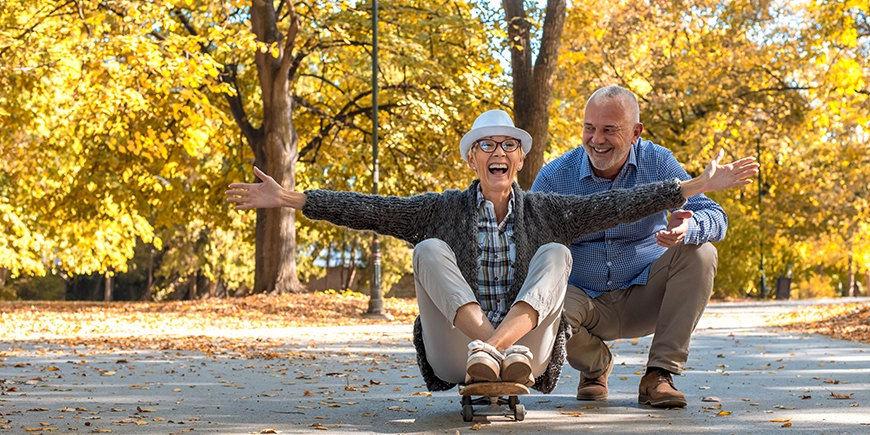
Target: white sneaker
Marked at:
483, 362
517, 365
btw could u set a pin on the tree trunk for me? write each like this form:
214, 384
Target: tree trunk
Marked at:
275, 146
107, 294
4, 275
853, 285
95, 292
212, 288
533, 84
191, 288
351, 275
146, 296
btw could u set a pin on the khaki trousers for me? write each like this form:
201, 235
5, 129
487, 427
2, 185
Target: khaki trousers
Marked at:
670, 304
441, 290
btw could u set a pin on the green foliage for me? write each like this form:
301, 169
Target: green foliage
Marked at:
45, 288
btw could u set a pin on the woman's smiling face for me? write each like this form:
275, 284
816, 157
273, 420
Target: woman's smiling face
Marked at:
498, 169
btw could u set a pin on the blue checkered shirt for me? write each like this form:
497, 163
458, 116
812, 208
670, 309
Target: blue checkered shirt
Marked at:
496, 260
620, 257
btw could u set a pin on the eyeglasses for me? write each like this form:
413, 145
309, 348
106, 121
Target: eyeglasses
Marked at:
509, 145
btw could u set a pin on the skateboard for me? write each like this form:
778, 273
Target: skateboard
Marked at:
491, 398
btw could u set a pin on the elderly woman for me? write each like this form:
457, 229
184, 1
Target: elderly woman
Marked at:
490, 262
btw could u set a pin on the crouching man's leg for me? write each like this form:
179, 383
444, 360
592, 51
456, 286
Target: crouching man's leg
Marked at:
675, 296
669, 304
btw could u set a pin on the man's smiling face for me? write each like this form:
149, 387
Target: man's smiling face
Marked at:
608, 134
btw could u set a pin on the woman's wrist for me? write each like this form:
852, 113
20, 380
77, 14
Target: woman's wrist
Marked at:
692, 187
294, 200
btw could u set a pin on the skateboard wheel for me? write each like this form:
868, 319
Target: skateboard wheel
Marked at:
466, 400
520, 413
467, 413
513, 401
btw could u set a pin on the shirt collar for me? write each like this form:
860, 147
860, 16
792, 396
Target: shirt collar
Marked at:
586, 167
481, 200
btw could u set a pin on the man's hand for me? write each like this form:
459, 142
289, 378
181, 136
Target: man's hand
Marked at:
678, 225
258, 195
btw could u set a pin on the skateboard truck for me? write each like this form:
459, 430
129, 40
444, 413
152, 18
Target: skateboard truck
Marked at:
493, 399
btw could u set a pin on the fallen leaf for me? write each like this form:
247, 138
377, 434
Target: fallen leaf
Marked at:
724, 413
841, 396
710, 399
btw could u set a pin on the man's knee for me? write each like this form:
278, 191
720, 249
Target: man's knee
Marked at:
705, 255
702, 260
576, 307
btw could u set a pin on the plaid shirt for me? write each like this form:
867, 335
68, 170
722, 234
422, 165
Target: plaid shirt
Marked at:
620, 257
496, 261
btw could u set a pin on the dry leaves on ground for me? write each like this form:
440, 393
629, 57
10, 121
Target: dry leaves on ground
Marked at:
842, 321
206, 325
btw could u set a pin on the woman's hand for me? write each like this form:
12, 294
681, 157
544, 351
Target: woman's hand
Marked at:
268, 194
720, 177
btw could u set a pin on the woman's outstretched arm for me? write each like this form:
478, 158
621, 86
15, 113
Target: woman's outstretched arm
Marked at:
268, 194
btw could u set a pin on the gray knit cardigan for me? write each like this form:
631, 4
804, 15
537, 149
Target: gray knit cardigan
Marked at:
452, 216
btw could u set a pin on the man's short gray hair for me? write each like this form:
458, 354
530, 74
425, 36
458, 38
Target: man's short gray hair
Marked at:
626, 97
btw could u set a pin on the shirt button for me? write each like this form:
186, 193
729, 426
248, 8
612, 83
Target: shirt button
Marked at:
496, 255
496, 278
609, 282
610, 242
609, 263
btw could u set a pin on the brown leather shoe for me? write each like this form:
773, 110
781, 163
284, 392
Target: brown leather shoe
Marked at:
657, 389
594, 388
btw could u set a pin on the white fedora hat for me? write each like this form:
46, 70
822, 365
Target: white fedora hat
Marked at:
493, 123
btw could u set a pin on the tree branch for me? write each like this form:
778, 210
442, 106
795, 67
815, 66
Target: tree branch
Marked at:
26, 31
237, 108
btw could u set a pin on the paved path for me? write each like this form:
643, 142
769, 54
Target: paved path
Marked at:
364, 380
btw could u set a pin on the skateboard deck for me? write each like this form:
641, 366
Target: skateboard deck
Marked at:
491, 400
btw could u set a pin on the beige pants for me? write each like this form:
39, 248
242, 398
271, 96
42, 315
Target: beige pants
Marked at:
670, 304
441, 290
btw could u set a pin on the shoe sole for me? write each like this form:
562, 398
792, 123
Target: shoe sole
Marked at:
599, 398
662, 403
481, 372
516, 372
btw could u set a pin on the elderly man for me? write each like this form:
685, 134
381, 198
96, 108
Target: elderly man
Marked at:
651, 276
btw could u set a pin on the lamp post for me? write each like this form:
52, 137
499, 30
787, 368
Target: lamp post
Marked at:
759, 119
376, 302
763, 289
